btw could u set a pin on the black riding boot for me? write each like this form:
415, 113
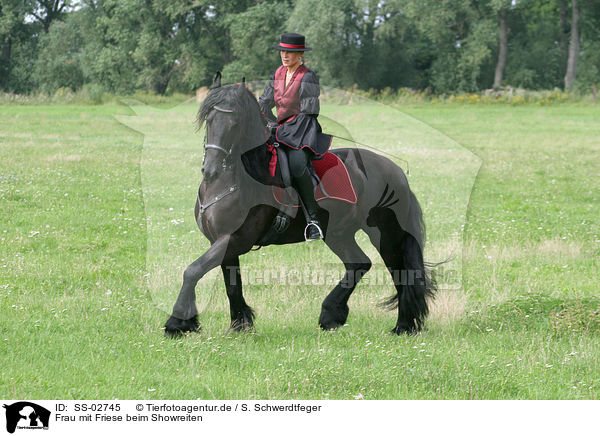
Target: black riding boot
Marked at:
304, 186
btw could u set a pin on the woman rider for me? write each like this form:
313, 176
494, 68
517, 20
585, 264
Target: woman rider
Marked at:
294, 91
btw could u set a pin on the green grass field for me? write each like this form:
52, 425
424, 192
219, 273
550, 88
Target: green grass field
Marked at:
97, 226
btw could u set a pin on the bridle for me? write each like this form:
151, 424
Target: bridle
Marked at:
216, 146
202, 207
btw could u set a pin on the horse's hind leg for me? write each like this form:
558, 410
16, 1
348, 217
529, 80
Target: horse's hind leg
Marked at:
185, 314
403, 258
334, 310
242, 315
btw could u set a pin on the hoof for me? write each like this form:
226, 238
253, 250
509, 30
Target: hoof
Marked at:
333, 318
404, 329
330, 325
240, 327
243, 321
175, 327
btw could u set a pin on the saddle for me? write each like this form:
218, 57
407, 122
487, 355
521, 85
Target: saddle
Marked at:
269, 165
329, 175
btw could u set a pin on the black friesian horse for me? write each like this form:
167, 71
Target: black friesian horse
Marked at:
234, 211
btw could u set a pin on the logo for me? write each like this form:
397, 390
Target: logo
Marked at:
25, 415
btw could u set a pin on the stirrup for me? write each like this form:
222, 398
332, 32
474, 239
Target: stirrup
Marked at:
316, 225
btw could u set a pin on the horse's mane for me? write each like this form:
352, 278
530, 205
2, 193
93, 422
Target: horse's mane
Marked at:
241, 100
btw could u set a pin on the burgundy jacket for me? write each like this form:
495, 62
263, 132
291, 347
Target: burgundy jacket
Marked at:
297, 108
300, 96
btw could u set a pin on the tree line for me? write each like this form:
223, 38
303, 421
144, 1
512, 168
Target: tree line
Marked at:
165, 46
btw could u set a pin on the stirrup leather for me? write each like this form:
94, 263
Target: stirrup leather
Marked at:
314, 224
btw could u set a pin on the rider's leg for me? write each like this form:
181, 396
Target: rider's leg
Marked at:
301, 179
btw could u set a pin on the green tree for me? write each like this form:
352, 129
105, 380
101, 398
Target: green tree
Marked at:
537, 59
588, 68
157, 48
502, 8
252, 32
47, 11
385, 44
331, 31
13, 31
177, 45
58, 63
573, 46
182, 43
364, 42
463, 34
204, 41
111, 38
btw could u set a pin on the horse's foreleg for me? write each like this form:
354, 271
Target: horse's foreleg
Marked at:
185, 314
334, 310
242, 315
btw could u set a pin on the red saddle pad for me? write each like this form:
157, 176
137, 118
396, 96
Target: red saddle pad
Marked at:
335, 181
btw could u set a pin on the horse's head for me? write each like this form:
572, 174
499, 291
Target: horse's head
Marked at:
234, 125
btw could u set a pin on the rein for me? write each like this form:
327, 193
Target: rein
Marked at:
376, 149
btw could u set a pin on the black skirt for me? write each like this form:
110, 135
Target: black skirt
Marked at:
304, 131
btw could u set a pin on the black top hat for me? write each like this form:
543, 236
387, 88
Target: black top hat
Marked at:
291, 42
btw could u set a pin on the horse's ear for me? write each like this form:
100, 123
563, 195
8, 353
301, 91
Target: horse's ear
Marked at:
216, 81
